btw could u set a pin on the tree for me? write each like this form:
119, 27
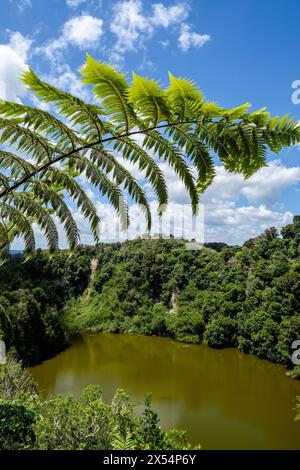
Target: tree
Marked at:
221, 332
44, 152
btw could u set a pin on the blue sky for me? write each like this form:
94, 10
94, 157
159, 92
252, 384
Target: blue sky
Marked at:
237, 51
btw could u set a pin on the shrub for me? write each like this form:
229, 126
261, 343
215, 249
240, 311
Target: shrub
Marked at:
15, 382
221, 332
16, 425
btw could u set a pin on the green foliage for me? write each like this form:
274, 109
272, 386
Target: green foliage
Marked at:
123, 442
187, 325
74, 424
221, 332
295, 373
16, 425
298, 409
152, 434
17, 413
15, 382
43, 153
32, 297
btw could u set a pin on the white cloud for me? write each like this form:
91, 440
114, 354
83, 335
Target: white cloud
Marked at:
188, 38
82, 31
13, 58
132, 25
20, 44
75, 3
269, 182
70, 81
23, 4
264, 186
227, 223
128, 24
165, 43
167, 16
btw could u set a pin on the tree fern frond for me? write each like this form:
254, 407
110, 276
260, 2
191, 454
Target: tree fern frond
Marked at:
238, 112
130, 150
4, 243
42, 122
170, 153
104, 159
79, 113
49, 196
199, 154
260, 117
4, 181
62, 180
181, 92
15, 164
114, 194
25, 140
21, 226
199, 111
281, 133
34, 211
149, 99
111, 88
205, 167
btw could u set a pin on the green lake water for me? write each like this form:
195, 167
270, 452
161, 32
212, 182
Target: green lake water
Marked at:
223, 398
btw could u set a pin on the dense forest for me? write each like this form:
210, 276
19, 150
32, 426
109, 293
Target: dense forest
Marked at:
32, 297
246, 297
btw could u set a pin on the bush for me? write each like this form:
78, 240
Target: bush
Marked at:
15, 382
295, 373
187, 325
70, 424
221, 332
16, 425
259, 335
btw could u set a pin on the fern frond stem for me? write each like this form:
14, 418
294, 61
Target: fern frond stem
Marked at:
122, 104
7, 230
59, 158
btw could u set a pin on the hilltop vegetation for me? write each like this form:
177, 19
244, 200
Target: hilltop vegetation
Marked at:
245, 297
